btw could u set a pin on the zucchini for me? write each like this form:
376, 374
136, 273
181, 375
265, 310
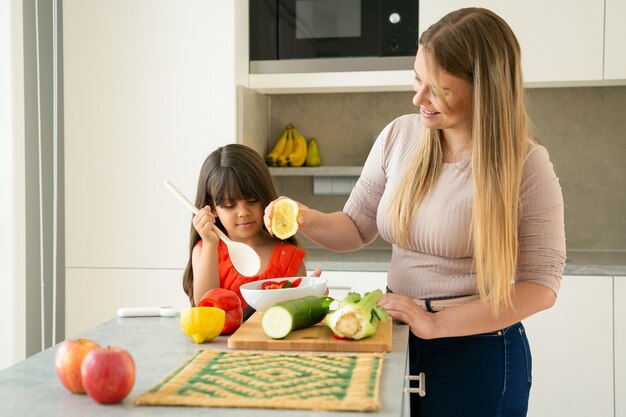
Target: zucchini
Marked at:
282, 318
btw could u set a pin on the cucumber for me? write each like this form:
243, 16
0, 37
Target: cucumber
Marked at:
284, 317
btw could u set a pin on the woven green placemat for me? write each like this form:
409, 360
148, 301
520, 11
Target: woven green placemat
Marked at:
215, 378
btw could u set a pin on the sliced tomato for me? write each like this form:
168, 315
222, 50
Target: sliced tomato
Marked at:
296, 282
340, 337
270, 285
275, 285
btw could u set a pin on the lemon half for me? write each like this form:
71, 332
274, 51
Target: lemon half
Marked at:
285, 218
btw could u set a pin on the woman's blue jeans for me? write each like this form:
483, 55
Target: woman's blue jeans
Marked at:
481, 375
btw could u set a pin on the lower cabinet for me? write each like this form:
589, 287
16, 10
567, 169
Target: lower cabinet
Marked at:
572, 351
342, 282
406, 398
619, 314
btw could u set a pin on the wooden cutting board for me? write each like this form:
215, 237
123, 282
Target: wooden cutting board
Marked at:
250, 336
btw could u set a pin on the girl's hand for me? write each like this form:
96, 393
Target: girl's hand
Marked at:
316, 273
203, 222
404, 309
269, 211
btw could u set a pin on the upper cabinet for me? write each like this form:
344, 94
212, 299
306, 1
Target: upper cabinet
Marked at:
149, 91
561, 40
563, 43
615, 32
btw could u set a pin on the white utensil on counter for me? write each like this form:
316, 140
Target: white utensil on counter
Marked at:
245, 260
146, 312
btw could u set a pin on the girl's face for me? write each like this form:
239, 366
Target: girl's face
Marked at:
243, 219
457, 115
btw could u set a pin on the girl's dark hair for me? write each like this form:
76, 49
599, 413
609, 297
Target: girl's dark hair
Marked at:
231, 172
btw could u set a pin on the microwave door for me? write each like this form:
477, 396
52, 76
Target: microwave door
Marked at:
328, 28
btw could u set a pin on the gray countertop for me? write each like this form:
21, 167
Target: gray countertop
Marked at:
368, 259
158, 346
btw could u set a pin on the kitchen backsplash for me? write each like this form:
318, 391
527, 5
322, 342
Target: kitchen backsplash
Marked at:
584, 129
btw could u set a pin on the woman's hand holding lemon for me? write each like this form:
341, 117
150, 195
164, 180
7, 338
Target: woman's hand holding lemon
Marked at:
283, 217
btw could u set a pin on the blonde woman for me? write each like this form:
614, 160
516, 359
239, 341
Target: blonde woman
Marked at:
474, 213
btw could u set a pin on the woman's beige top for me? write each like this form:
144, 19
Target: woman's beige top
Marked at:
438, 261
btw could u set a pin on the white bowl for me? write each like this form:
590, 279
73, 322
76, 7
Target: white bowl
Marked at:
261, 299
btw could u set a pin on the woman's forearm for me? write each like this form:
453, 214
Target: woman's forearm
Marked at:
468, 319
475, 318
335, 231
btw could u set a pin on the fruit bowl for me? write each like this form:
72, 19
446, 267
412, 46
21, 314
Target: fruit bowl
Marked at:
261, 299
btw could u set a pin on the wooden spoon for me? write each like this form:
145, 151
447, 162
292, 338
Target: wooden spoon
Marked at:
245, 260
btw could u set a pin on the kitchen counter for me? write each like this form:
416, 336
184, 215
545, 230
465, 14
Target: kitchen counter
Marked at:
369, 259
158, 346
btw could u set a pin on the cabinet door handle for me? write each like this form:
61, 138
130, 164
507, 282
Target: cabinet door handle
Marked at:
421, 389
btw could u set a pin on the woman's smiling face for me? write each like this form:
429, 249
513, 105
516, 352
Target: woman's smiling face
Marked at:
449, 109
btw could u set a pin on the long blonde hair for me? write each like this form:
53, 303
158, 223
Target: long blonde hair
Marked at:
477, 45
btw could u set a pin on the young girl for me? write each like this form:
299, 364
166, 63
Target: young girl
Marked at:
234, 188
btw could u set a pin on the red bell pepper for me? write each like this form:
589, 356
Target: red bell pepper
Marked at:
229, 302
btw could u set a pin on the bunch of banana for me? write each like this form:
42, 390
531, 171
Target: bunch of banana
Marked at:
283, 160
281, 147
298, 155
290, 149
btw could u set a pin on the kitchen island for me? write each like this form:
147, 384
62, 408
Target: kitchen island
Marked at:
158, 346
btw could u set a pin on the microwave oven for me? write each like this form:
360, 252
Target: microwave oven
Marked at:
332, 35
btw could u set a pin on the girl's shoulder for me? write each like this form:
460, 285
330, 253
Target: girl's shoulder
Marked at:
222, 250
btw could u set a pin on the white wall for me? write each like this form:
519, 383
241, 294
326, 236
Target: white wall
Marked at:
150, 90
12, 291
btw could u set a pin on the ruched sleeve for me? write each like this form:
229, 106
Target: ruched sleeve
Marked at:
362, 205
541, 230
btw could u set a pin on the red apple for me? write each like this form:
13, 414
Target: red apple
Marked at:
68, 359
108, 374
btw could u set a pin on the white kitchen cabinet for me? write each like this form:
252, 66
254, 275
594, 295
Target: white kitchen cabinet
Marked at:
146, 98
572, 351
342, 282
619, 315
94, 295
149, 92
561, 40
615, 35
333, 82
